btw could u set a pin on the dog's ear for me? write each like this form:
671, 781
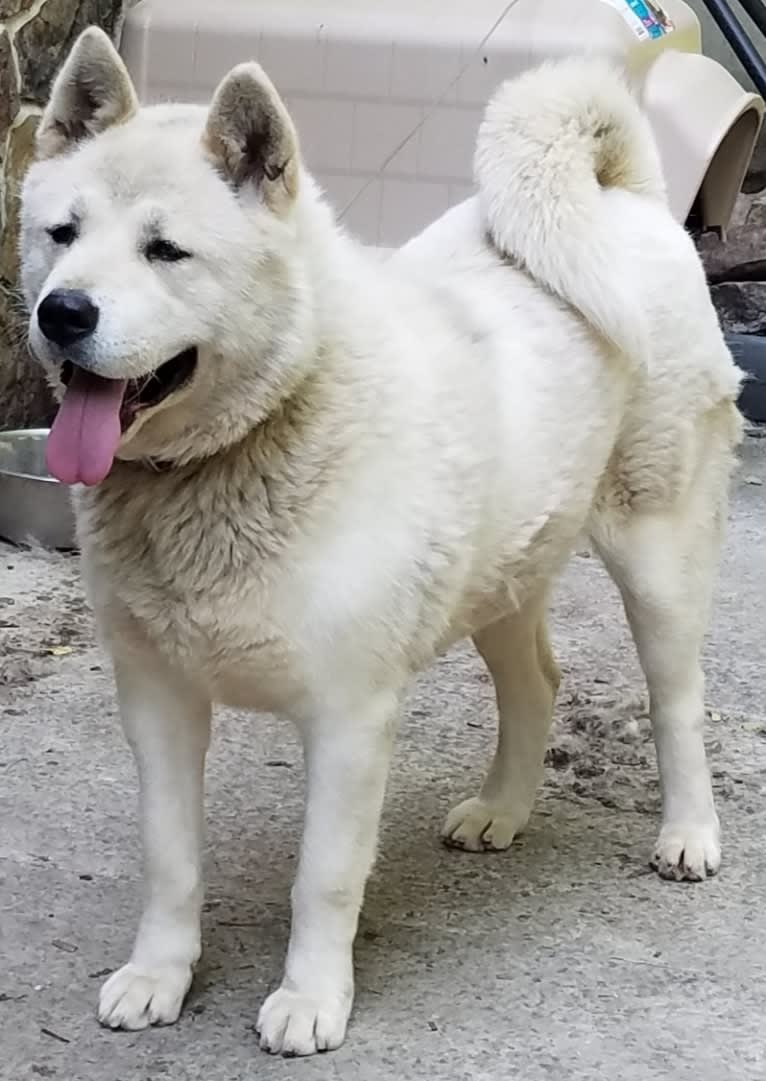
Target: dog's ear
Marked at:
250, 137
91, 92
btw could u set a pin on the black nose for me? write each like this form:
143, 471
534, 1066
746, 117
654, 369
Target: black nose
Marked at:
67, 315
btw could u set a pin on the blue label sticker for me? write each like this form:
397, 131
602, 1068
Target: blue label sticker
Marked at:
647, 17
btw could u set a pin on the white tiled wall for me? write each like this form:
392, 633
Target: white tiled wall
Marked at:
361, 78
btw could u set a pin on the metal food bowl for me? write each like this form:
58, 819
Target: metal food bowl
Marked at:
34, 508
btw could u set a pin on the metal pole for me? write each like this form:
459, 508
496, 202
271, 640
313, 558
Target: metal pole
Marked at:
736, 35
757, 12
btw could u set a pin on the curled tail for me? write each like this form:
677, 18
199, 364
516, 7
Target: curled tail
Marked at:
552, 144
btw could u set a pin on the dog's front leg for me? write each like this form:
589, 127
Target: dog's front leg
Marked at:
347, 764
167, 723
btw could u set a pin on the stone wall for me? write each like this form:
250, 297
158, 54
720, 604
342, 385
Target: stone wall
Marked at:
35, 36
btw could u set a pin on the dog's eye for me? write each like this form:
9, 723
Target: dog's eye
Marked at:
63, 234
164, 251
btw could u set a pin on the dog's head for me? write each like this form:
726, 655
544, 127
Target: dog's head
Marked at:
163, 263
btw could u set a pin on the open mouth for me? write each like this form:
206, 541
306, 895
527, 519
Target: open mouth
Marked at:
150, 389
95, 412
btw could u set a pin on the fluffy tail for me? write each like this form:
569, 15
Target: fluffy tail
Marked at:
552, 144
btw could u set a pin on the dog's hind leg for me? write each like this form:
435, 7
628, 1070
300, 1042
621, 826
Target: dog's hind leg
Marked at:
167, 723
517, 653
664, 565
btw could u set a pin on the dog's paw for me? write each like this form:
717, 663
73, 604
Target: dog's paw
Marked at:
291, 1023
687, 853
135, 997
477, 826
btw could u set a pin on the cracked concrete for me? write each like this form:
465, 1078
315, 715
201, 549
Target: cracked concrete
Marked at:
564, 958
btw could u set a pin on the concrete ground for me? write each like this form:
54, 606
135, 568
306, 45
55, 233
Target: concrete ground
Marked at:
564, 958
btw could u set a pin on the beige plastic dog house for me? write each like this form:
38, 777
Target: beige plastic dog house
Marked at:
387, 94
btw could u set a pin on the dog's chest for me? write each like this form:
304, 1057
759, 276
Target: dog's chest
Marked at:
209, 591
230, 633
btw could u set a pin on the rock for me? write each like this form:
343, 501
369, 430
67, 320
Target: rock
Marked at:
741, 306
9, 89
736, 267
21, 148
745, 242
9, 8
24, 395
43, 43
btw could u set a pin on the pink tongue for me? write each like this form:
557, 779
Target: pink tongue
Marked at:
85, 434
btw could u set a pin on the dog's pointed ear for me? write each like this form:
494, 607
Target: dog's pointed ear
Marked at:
250, 137
91, 92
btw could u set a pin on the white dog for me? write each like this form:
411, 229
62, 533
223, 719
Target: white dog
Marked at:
307, 471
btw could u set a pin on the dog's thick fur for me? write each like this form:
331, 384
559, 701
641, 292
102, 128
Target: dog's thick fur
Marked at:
374, 459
